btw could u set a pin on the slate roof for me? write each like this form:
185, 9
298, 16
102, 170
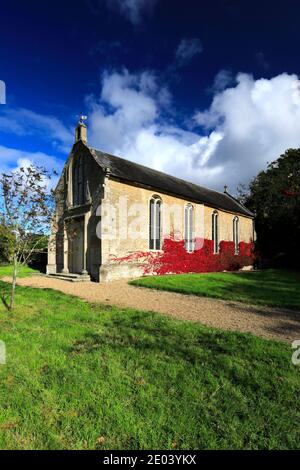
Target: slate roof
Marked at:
135, 173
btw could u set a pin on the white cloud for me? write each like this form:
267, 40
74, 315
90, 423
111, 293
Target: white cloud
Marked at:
133, 10
246, 126
11, 159
259, 120
222, 80
129, 120
22, 122
187, 49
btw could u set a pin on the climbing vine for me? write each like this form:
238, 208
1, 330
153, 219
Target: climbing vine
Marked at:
175, 259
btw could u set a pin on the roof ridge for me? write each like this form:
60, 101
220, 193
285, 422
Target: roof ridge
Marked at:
157, 171
135, 172
237, 201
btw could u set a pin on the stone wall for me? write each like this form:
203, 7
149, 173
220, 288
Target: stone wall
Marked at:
119, 247
59, 254
103, 252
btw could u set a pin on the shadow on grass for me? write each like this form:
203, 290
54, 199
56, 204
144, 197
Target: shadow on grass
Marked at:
5, 292
151, 336
285, 322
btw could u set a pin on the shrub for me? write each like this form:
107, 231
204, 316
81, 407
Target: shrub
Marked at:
6, 244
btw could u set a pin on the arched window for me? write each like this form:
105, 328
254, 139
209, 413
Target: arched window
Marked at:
78, 182
155, 223
236, 235
215, 231
189, 228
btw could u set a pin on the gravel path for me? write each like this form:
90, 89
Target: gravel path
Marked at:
280, 324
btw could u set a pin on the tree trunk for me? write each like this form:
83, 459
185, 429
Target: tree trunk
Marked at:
13, 286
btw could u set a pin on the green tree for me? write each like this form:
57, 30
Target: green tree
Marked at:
26, 208
6, 244
274, 197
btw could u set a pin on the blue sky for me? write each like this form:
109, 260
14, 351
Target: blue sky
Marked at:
207, 91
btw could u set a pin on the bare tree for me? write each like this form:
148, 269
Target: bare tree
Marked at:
26, 209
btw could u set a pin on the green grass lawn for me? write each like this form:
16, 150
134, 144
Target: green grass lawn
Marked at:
23, 271
86, 376
269, 287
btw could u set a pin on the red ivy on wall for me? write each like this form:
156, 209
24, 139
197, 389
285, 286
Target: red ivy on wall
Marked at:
175, 259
